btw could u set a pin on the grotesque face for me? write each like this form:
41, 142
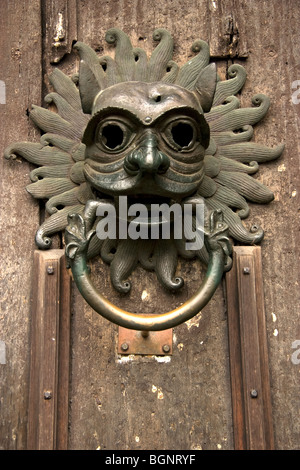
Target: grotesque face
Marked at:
145, 136
146, 139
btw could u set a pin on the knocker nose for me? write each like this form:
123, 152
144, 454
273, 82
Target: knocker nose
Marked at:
147, 158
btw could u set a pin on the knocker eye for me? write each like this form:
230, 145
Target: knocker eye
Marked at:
181, 135
113, 136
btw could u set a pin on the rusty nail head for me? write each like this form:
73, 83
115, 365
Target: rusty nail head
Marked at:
50, 270
166, 348
124, 347
246, 270
253, 393
47, 395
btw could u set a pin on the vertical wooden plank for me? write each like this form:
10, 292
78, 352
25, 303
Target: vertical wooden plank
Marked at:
20, 77
146, 402
48, 314
251, 400
63, 357
250, 348
49, 377
270, 29
235, 360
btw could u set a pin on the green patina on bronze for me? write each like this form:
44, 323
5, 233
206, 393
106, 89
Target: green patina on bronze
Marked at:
118, 131
79, 233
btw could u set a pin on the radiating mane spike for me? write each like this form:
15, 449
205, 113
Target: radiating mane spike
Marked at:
91, 77
124, 56
161, 55
205, 86
189, 72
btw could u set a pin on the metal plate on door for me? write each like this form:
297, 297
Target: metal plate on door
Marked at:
145, 342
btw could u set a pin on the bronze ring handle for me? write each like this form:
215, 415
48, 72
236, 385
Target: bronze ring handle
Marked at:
77, 241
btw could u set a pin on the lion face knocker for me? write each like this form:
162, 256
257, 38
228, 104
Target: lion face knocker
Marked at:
156, 134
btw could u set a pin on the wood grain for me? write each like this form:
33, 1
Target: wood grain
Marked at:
50, 353
251, 396
143, 403
20, 45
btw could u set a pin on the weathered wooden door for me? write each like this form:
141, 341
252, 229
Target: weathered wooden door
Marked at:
188, 400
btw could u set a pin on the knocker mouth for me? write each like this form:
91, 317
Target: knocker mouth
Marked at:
149, 209
145, 206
